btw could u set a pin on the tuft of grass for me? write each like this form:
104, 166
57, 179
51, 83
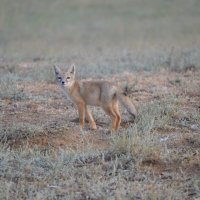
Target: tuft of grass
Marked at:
183, 60
139, 146
139, 140
42, 73
9, 87
157, 113
177, 81
20, 130
86, 175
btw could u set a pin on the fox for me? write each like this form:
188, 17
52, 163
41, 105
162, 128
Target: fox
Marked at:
101, 93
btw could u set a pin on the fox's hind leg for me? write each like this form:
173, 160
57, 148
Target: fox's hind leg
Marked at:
117, 113
109, 110
90, 118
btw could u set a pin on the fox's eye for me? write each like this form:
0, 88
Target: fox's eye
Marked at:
68, 78
59, 78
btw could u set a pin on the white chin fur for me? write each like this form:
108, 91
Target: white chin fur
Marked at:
68, 85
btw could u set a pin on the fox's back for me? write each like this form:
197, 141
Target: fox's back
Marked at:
97, 92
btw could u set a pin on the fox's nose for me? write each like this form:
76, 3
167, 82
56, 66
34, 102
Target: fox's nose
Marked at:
63, 82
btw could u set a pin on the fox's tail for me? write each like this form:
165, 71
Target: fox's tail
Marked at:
127, 103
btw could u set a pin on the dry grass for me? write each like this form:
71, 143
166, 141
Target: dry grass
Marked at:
151, 48
43, 155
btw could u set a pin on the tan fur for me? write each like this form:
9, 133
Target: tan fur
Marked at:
95, 93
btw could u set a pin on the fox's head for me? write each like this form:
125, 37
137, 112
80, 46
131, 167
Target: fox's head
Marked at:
66, 79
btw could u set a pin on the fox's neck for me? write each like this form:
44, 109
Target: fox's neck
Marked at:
71, 86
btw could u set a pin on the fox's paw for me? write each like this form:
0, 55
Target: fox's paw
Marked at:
94, 127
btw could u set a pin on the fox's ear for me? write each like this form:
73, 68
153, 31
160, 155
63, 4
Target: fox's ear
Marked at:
57, 70
72, 69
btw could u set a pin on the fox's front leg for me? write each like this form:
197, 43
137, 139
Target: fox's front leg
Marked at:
81, 111
90, 118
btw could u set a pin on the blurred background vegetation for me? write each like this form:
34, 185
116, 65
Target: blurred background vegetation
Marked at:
49, 28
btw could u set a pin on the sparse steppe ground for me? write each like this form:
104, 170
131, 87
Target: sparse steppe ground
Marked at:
151, 46
44, 154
